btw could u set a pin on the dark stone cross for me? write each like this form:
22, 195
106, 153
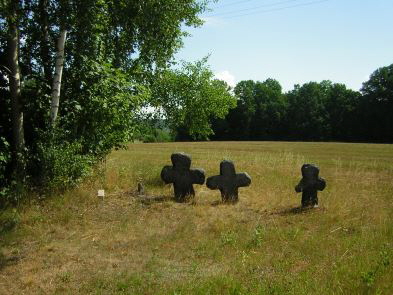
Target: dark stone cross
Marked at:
309, 185
228, 181
182, 176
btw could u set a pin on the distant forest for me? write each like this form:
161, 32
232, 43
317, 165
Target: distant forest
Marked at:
314, 111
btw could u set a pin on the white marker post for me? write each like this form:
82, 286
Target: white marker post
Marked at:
101, 194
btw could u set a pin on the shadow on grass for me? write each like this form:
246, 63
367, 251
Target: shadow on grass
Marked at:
7, 261
216, 203
152, 181
148, 200
7, 225
8, 221
298, 210
221, 203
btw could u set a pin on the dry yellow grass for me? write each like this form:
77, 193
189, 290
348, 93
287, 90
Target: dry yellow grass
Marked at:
77, 244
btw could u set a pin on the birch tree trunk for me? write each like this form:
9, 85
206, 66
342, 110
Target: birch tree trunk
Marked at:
18, 142
57, 77
44, 39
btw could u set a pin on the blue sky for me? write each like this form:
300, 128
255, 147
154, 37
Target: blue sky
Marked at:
340, 40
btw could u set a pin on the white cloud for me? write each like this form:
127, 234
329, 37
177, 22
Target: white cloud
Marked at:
227, 77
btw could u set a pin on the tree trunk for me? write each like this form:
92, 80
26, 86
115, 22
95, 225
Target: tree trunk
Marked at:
57, 77
18, 143
44, 40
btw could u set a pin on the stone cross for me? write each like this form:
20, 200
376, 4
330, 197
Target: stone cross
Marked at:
310, 184
228, 181
182, 176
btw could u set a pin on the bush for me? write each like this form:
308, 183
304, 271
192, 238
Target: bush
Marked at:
158, 135
5, 157
63, 165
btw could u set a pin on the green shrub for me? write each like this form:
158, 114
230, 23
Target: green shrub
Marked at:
5, 157
158, 135
63, 165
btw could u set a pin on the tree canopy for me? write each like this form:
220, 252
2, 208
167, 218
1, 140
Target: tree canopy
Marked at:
377, 105
190, 98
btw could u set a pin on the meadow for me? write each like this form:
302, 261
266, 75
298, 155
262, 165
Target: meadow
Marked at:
75, 243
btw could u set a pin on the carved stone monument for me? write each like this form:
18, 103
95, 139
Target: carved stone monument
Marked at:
182, 176
309, 185
228, 181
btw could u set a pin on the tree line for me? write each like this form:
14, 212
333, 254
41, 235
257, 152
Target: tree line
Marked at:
313, 111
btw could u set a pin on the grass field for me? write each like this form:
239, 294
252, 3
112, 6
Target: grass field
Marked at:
78, 244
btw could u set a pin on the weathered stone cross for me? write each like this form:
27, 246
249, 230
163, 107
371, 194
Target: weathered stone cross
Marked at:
310, 184
228, 181
182, 176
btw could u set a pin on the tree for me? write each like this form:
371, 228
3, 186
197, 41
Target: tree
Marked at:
58, 75
307, 115
10, 11
190, 98
377, 106
239, 119
341, 106
236, 125
270, 110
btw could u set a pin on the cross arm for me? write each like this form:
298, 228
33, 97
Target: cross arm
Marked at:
198, 176
299, 188
168, 174
213, 182
243, 179
321, 184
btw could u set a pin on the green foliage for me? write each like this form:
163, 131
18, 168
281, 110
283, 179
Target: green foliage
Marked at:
341, 107
5, 149
103, 113
259, 114
229, 238
313, 111
153, 129
158, 135
380, 85
63, 165
111, 50
376, 106
128, 34
190, 97
307, 115
239, 118
257, 236
5, 158
270, 110
369, 277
